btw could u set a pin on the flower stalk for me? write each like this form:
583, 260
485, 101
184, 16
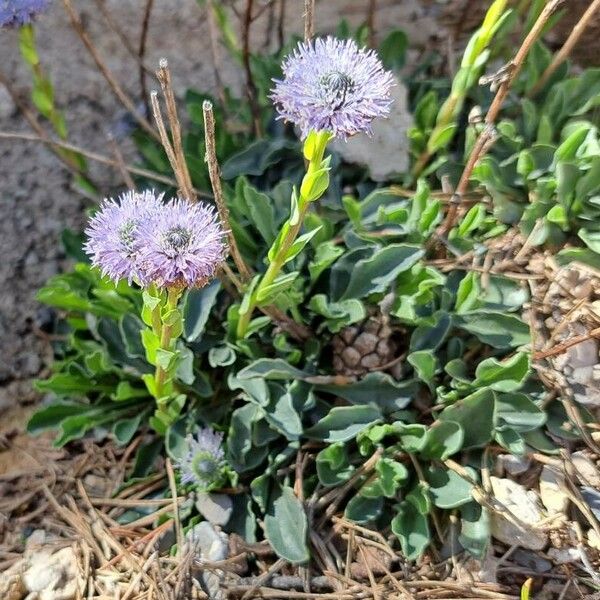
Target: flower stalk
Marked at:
315, 182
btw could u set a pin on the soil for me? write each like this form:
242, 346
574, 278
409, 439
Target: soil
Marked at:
37, 200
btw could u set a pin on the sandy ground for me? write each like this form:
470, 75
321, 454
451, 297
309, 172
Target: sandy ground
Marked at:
36, 199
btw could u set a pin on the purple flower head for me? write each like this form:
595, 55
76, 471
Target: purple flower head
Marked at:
20, 12
182, 244
112, 234
333, 85
203, 459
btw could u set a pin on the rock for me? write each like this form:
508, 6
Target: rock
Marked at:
525, 507
587, 472
11, 583
7, 106
531, 560
593, 539
584, 354
386, 152
216, 508
563, 556
514, 465
52, 575
592, 499
553, 498
211, 545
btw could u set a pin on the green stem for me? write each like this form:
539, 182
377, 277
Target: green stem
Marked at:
314, 154
166, 340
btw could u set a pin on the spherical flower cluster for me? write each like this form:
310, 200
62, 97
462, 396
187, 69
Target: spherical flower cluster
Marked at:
183, 245
113, 234
333, 85
143, 239
203, 459
20, 12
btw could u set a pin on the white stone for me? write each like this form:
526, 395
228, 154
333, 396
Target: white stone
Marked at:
515, 465
564, 556
524, 505
386, 152
587, 471
584, 354
593, 539
52, 576
553, 498
216, 508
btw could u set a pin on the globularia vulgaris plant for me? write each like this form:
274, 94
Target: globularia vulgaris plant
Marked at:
355, 335
165, 248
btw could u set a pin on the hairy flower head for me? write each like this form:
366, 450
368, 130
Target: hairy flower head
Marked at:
182, 244
112, 234
203, 459
333, 85
19, 12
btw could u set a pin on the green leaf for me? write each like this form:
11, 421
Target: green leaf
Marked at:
503, 376
441, 137
390, 476
477, 408
375, 274
221, 356
260, 211
343, 423
51, 416
425, 364
175, 441
392, 50
519, 412
326, 254
300, 244
333, 466
447, 488
125, 429
377, 388
315, 184
256, 158
499, 330
363, 510
443, 439
196, 306
338, 314
282, 415
412, 529
475, 530
472, 220
286, 527
271, 368
568, 149
282, 283
468, 295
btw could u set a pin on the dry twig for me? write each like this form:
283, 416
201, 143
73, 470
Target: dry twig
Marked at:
567, 47
174, 148
114, 85
215, 181
309, 20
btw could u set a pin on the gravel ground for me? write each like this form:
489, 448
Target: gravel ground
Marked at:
36, 199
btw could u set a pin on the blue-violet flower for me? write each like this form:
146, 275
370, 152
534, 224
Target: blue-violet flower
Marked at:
203, 459
112, 234
183, 244
20, 12
333, 85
